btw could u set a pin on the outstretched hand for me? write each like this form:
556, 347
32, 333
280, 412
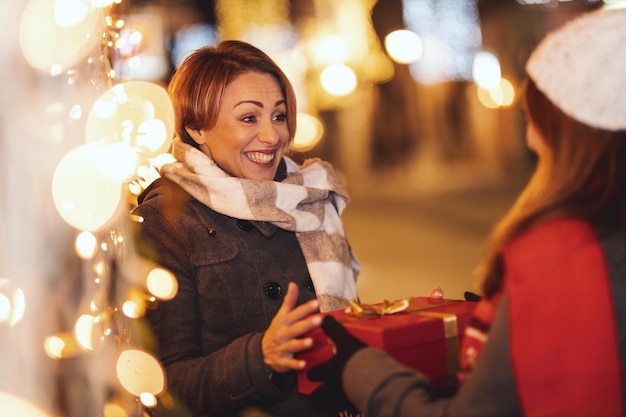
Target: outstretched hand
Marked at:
331, 391
284, 336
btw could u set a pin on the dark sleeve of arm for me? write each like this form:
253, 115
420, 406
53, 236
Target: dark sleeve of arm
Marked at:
224, 379
379, 386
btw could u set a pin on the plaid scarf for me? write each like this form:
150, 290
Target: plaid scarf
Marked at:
308, 202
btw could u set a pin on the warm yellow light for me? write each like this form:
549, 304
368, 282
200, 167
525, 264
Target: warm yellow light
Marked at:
68, 13
139, 372
486, 99
309, 132
53, 346
85, 245
60, 32
114, 410
11, 405
101, 3
502, 95
83, 330
119, 161
152, 134
338, 80
5, 308
148, 399
134, 307
404, 46
61, 345
507, 92
12, 303
162, 283
84, 197
136, 113
329, 49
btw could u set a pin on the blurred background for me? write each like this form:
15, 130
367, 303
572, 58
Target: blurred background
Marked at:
414, 102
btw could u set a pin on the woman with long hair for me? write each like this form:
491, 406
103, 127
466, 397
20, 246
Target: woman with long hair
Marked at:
548, 338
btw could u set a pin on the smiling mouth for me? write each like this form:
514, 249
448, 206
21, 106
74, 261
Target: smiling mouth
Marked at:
261, 158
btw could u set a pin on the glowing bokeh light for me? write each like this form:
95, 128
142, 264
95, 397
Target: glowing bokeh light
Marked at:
60, 32
308, 133
504, 93
501, 96
162, 283
118, 161
62, 345
11, 405
114, 410
83, 330
485, 99
53, 346
12, 303
338, 80
148, 399
102, 3
486, 70
404, 46
162, 159
5, 308
68, 13
329, 49
139, 372
138, 114
85, 245
134, 307
84, 197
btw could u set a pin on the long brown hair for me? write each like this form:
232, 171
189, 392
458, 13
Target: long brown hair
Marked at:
197, 86
582, 174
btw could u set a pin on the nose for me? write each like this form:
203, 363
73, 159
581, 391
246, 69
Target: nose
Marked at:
269, 133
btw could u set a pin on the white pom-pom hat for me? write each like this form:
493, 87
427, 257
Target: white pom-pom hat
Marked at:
581, 68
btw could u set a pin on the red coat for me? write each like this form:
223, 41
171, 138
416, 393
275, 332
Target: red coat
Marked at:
546, 346
564, 341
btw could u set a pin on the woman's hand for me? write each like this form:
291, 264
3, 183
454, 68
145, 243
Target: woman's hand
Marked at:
282, 338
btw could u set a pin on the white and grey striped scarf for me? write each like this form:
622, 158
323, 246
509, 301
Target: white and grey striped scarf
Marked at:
308, 202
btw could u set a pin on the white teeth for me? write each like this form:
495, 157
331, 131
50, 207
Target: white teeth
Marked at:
259, 157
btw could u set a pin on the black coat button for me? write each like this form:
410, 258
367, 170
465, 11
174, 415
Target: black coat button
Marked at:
244, 225
309, 284
272, 289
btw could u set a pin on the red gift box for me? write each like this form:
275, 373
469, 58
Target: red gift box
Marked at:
425, 336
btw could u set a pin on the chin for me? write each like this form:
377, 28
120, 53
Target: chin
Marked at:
261, 177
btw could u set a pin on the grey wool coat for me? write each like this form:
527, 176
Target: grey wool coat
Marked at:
232, 276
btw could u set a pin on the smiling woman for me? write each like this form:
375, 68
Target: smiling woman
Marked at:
250, 134
255, 240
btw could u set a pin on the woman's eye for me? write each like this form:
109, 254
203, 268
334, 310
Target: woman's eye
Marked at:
280, 117
249, 119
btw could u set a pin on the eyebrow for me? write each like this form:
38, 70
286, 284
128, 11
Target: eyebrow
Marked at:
258, 103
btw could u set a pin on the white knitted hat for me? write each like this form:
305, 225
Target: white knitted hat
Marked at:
581, 67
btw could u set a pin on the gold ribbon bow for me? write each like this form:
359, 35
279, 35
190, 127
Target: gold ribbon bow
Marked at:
377, 310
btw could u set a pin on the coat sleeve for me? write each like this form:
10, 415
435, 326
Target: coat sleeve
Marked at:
380, 386
209, 383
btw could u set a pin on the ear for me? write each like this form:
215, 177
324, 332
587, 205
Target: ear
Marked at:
197, 135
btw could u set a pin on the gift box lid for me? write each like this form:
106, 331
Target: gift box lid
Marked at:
424, 320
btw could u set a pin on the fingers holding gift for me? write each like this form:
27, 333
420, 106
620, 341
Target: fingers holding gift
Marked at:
283, 338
